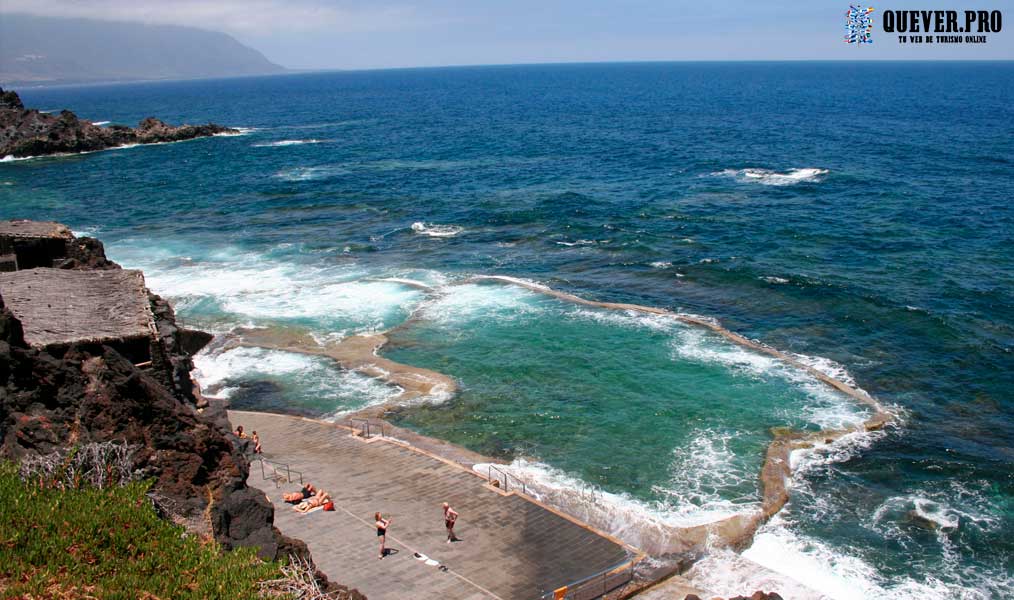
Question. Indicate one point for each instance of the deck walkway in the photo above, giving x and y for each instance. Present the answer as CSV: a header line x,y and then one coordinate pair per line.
x,y
512,548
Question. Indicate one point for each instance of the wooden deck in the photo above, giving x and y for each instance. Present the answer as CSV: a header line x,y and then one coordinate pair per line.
x,y
512,548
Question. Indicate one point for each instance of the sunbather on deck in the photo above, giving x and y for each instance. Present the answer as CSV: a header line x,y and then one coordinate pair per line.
x,y
319,499
307,491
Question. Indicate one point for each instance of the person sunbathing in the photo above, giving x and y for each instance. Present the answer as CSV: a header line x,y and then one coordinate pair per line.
x,y
296,497
319,499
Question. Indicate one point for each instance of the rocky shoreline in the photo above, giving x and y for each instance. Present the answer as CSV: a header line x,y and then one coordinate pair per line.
x,y
89,392
28,132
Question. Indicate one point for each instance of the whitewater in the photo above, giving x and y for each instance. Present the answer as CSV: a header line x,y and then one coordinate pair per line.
x,y
858,241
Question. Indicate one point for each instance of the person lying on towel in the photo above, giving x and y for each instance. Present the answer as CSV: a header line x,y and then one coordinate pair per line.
x,y
319,499
307,491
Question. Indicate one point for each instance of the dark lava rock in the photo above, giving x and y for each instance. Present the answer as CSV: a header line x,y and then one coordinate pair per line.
x,y
93,394
33,133
10,100
85,254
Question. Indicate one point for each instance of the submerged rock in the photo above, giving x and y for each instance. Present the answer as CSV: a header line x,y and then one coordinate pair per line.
x,y
28,132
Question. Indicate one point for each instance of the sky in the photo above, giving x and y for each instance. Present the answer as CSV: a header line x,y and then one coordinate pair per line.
x,y
362,34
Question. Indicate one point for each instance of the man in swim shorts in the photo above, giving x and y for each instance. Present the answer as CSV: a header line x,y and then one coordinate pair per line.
x,y
450,517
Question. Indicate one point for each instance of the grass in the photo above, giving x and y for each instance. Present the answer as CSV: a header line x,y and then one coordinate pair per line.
x,y
109,544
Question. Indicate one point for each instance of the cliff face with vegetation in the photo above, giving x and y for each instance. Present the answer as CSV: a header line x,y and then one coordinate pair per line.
x,y
29,132
91,393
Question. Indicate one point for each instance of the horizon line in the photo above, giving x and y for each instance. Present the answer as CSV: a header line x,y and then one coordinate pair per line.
x,y
291,71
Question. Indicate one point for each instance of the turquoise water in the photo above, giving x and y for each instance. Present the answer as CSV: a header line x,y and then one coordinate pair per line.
x,y
856,214
641,405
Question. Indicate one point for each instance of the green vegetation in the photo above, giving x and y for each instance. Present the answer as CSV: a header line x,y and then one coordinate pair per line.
x,y
110,544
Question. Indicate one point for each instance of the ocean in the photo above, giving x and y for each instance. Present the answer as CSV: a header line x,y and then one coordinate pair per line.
x,y
857,215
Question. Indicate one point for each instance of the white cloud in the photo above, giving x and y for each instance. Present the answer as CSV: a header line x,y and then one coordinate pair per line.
x,y
252,17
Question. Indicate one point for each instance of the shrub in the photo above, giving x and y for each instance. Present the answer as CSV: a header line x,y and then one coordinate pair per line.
x,y
86,542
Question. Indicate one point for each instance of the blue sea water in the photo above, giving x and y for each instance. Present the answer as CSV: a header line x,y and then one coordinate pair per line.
x,y
857,214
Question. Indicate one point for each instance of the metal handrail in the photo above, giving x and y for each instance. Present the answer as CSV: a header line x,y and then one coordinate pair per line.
x,y
366,430
274,467
506,478
588,587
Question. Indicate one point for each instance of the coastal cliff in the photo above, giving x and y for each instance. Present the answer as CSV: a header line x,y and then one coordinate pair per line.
x,y
29,132
88,392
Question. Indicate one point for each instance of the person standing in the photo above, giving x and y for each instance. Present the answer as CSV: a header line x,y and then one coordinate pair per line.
x,y
450,517
382,525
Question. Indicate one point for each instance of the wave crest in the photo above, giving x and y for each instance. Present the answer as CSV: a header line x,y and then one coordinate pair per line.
x,y
436,230
283,143
769,177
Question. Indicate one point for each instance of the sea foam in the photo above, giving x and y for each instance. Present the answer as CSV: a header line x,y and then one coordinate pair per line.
x,y
309,380
284,143
635,521
310,173
249,286
768,177
458,305
438,231
844,574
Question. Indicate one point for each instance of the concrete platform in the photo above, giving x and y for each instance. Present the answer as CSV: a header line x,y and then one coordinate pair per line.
x,y
511,548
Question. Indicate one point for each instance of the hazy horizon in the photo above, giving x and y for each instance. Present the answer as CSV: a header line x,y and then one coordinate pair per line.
x,y
352,35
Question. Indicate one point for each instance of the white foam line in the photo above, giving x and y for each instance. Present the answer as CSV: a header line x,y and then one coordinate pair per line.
x,y
439,231
409,282
12,158
769,177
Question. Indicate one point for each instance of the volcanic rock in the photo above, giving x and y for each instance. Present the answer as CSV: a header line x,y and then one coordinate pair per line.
x,y
28,132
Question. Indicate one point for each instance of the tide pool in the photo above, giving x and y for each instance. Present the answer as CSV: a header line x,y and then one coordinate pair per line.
x,y
857,215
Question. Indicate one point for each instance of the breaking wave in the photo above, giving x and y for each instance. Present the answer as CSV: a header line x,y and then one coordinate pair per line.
x,y
436,230
239,131
309,382
239,289
635,521
283,143
768,177
462,304
840,573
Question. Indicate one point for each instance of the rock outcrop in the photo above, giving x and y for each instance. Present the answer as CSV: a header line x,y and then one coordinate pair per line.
x,y
28,132
91,393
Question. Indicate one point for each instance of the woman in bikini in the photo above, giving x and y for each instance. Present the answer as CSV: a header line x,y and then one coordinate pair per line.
x,y
318,500
296,497
382,524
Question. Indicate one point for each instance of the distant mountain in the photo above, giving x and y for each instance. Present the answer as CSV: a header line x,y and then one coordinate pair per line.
x,y
56,50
